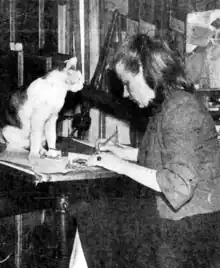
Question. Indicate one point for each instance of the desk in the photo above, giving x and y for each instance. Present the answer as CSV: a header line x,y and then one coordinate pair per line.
x,y
22,192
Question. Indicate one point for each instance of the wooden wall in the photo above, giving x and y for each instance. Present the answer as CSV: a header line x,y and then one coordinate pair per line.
x,y
4,24
36,24
140,17
57,28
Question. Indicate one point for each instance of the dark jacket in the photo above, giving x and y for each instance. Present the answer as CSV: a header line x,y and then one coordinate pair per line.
x,y
181,143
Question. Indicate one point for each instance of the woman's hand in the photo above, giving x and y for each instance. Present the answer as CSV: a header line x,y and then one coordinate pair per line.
x,y
109,161
101,145
120,150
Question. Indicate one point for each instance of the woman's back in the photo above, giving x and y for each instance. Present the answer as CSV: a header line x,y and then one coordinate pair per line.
x,y
181,141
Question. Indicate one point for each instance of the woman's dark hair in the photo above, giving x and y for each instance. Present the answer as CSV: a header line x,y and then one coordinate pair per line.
x,y
164,69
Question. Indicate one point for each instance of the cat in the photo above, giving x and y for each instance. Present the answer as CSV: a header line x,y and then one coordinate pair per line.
x,y
34,112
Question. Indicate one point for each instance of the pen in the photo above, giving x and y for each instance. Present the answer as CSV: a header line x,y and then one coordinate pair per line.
x,y
115,134
111,137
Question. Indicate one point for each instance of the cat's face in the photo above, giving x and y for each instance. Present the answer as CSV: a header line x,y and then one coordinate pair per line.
x,y
75,79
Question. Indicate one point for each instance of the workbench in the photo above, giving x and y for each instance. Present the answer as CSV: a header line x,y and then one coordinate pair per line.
x,y
23,191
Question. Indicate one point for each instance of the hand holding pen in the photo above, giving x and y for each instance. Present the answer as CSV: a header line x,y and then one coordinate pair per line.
x,y
104,155
110,154
106,144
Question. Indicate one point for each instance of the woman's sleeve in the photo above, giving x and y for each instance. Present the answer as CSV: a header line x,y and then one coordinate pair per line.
x,y
179,134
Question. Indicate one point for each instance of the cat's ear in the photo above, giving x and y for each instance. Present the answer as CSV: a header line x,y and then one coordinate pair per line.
x,y
71,63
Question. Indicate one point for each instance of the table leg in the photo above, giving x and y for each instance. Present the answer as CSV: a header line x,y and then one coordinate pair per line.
x,y
18,242
63,228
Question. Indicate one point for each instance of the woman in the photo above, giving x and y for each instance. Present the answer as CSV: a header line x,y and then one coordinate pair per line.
x,y
178,157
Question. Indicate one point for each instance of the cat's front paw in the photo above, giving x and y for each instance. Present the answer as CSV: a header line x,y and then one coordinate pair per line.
x,y
43,152
53,153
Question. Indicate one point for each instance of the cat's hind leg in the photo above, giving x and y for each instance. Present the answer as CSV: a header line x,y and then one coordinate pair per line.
x,y
43,151
37,136
51,136
15,138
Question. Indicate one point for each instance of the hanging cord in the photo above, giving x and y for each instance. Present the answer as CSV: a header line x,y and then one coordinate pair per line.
x,y
5,259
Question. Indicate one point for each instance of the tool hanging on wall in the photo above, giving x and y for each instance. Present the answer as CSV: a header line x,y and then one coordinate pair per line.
x,y
101,66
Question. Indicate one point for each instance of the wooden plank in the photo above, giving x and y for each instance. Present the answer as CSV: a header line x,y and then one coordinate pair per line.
x,y
102,116
62,28
93,35
94,28
82,34
5,25
161,17
18,47
51,26
86,41
147,10
20,68
68,24
12,19
27,30
76,33
102,21
19,241
71,31
134,9
41,29
177,24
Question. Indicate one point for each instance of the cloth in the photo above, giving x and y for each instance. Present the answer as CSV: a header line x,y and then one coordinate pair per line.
x,y
119,227
133,226
181,144
190,242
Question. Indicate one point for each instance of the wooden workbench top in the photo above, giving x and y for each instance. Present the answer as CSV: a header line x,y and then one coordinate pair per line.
x,y
54,170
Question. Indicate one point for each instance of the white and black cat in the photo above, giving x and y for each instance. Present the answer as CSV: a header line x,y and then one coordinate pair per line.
x,y
32,114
